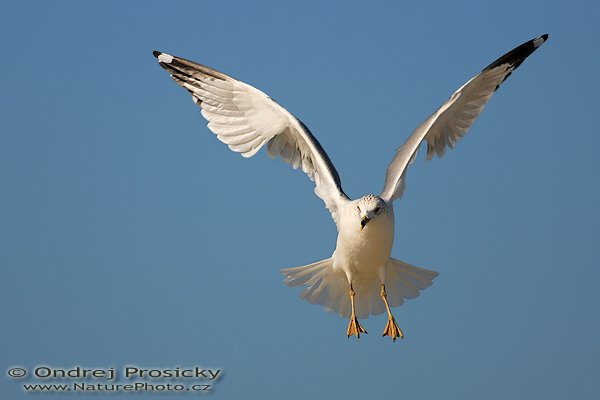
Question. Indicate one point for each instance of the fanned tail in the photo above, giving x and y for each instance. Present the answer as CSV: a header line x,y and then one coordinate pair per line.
x,y
330,288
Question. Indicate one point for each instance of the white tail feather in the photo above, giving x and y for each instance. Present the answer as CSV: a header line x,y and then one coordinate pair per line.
x,y
330,288
405,281
323,285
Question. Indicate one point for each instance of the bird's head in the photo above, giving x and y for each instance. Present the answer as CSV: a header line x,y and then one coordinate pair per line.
x,y
370,207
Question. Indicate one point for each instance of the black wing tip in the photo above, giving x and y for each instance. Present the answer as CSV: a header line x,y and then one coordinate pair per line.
x,y
540,40
517,55
163,58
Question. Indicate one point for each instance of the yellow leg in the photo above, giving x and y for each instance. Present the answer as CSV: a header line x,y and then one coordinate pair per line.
x,y
354,327
391,329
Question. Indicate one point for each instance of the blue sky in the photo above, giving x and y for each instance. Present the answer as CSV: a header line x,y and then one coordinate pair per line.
x,y
130,235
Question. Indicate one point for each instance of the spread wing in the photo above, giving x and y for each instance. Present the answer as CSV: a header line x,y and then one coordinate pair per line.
x,y
454,118
245,119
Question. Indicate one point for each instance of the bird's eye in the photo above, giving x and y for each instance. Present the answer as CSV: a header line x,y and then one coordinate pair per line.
x,y
358,208
377,210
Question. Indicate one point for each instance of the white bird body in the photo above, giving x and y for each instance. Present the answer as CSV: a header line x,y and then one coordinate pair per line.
x,y
363,252
246,119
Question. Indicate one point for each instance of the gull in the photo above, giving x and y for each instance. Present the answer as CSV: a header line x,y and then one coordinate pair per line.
x,y
360,278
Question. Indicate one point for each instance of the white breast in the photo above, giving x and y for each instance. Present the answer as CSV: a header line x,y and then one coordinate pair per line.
x,y
363,252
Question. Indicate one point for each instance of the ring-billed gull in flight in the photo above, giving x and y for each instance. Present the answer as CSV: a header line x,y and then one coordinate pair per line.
x,y
360,278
